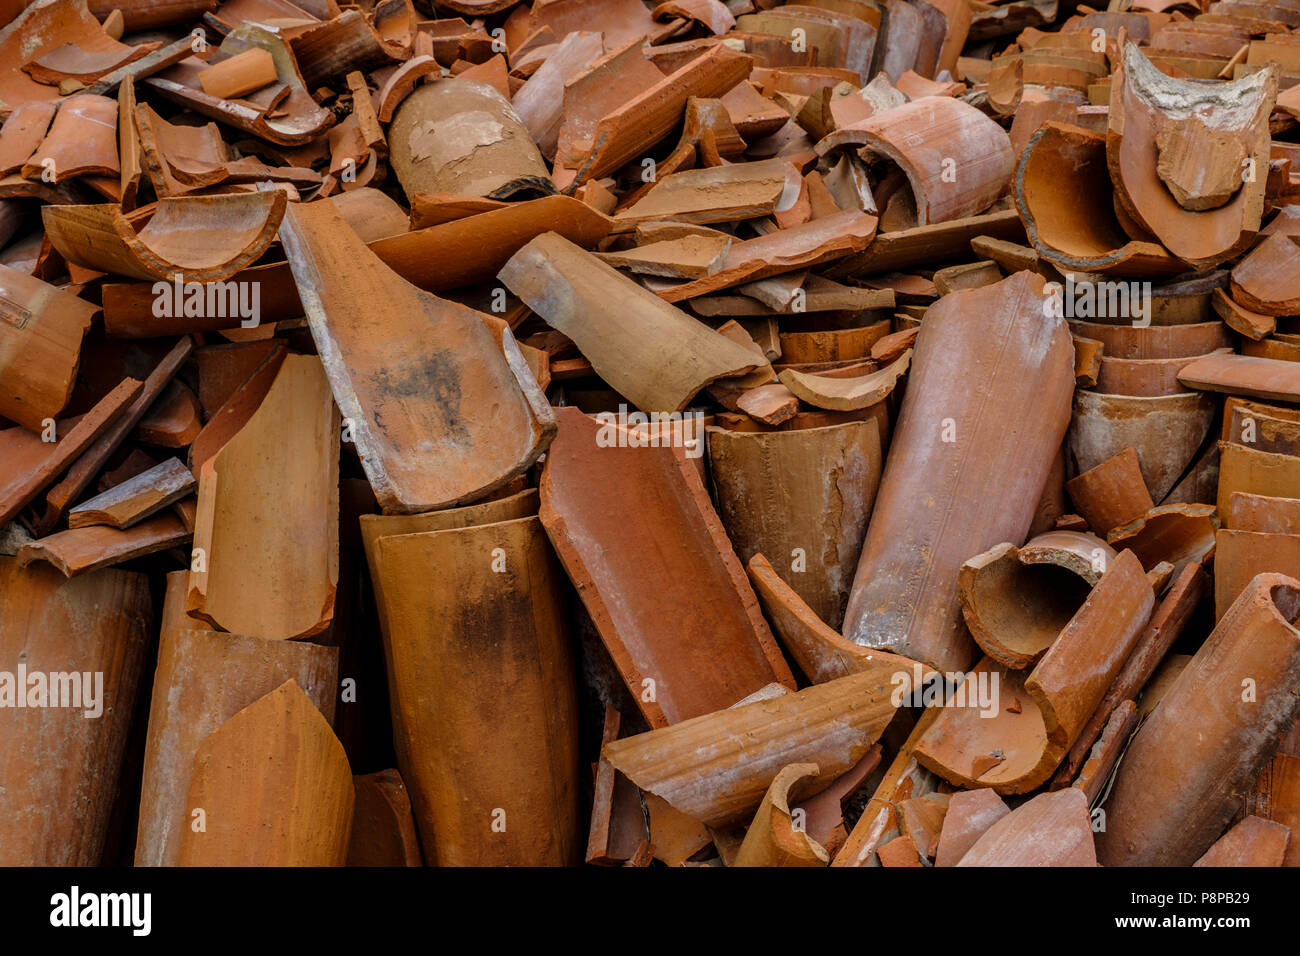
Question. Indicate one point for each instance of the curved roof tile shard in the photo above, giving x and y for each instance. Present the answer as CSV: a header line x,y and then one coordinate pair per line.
x,y
987,405
204,238
1187,771
722,651
275,786
647,350
41,28
1060,164
1225,124
60,768
82,141
436,426
716,767
1052,829
303,118
957,160
268,514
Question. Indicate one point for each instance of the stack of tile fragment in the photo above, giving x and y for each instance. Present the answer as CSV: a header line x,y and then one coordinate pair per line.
x,y
709,432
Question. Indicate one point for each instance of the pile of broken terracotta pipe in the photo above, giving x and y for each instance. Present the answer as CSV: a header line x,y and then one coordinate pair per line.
x,y
704,433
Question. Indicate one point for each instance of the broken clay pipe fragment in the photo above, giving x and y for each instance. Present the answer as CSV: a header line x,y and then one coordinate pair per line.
x,y
458,136
495,612
202,679
383,830
722,652
1005,406
1252,842
136,498
1253,325
773,838
1177,789
716,767
1177,533
1015,608
1015,742
473,249
804,496
1167,622
649,351
275,788
1052,829
417,418
846,394
1111,493
97,628
40,347
204,238
957,160
1060,163
266,533
819,650
1165,430
1230,122
713,195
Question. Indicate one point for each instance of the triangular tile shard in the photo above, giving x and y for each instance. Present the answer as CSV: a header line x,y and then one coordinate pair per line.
x,y
271,787
446,420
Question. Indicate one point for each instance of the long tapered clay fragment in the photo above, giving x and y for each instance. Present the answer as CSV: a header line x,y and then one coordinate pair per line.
x,y
1052,829
821,652
956,159
274,786
81,550
717,194
1167,622
773,839
40,347
204,678
447,422
716,768
1060,163
1229,122
1112,493
719,654
1015,609
1198,754
846,394
1252,842
61,764
1244,375
136,498
477,637
204,238
267,523
1165,430
803,496
647,350
31,464
998,374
